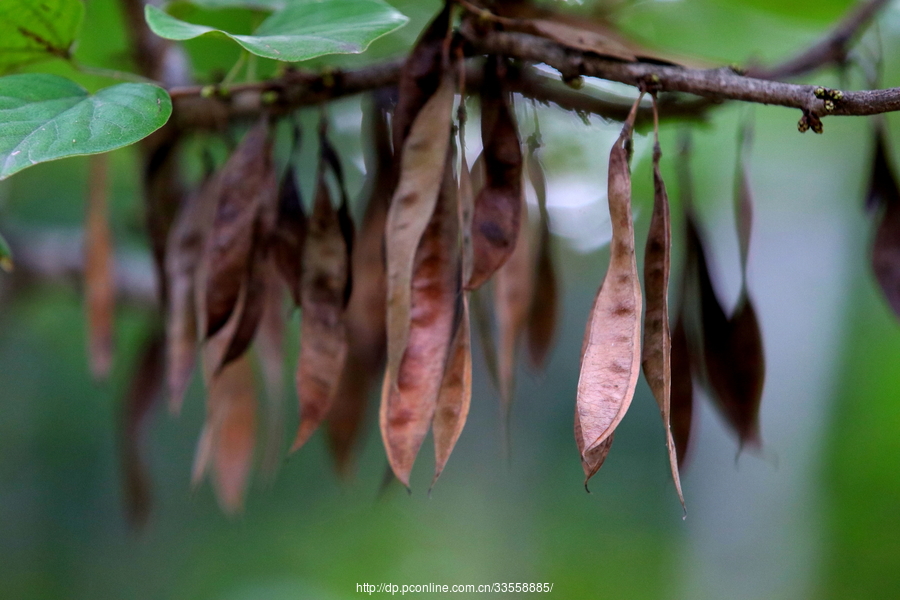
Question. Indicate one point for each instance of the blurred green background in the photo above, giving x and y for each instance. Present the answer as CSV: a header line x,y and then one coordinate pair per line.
x,y
814,515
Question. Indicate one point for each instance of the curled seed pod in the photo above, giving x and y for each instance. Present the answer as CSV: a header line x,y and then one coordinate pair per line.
x,y
656,360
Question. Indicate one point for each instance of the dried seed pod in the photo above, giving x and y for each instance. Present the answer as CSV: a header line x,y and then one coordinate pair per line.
x,y
513,296
681,403
498,205
229,434
323,342
542,317
593,459
365,314
884,194
289,234
611,359
99,284
656,360
422,170
455,395
409,400
247,184
421,76
269,346
732,350
184,249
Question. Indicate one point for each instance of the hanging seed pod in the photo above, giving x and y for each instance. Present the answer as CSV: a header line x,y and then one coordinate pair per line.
x,y
884,194
681,403
409,400
184,249
323,341
365,316
269,346
455,395
656,360
542,317
246,184
229,434
593,459
289,234
422,170
140,399
498,205
732,354
421,76
513,295
611,358
163,196
99,271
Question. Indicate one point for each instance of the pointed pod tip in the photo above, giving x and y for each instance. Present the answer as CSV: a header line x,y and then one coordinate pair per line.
x,y
299,441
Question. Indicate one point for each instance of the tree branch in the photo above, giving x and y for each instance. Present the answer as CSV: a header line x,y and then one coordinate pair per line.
x,y
714,84
211,107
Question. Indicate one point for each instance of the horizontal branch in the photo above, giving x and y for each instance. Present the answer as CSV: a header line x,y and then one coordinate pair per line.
x,y
714,84
213,107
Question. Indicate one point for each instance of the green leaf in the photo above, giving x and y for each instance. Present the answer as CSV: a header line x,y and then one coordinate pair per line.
x,y
6,262
35,30
300,31
44,117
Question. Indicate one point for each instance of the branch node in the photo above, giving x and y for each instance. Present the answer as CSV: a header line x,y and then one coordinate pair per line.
x,y
650,84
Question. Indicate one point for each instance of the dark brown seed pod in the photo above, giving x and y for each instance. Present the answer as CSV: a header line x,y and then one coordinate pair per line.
x,y
498,206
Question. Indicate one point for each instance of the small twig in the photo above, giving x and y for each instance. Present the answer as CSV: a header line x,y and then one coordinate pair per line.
x,y
832,49
715,84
